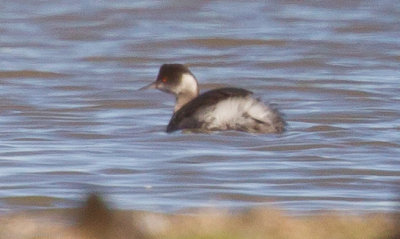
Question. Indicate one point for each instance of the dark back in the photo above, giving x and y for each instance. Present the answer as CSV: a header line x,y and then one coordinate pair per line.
x,y
183,117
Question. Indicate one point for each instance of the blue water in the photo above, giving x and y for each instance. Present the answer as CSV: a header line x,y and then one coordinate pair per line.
x,y
71,119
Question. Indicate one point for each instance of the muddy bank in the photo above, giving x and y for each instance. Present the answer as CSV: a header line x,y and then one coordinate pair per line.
x,y
96,220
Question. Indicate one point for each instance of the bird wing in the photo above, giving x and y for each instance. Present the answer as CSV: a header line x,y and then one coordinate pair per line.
x,y
183,117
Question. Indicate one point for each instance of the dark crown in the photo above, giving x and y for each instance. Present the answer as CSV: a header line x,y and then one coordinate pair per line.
x,y
172,71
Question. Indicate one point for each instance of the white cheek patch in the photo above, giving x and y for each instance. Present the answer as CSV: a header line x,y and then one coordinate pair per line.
x,y
188,84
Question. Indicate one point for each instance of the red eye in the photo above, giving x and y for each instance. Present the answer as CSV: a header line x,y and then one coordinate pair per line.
x,y
164,79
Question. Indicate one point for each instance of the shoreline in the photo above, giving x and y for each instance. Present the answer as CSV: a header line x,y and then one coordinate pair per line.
x,y
96,220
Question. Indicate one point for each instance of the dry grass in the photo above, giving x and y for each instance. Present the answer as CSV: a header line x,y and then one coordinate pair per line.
x,y
95,220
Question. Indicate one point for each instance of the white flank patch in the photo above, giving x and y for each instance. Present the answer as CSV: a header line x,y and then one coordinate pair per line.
x,y
230,112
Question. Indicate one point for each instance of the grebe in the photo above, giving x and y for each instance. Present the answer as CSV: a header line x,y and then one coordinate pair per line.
x,y
219,109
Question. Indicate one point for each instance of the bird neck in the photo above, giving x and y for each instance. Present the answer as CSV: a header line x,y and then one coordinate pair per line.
x,y
182,100
187,91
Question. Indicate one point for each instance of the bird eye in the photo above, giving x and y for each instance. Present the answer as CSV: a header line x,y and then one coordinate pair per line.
x,y
164,79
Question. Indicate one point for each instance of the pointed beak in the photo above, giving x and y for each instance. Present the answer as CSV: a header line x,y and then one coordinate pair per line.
x,y
150,86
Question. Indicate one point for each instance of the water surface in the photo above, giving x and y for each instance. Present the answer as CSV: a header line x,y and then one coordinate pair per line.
x,y
72,120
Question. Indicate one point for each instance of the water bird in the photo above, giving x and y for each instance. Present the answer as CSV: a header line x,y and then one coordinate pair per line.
x,y
215,110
